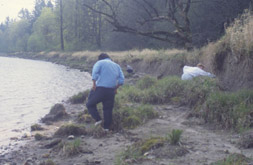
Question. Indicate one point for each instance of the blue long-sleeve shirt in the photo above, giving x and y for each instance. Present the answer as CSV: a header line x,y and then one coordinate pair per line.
x,y
107,74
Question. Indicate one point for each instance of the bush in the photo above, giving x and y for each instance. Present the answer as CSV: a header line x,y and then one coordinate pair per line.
x,y
239,35
48,162
36,127
71,129
232,110
80,97
137,150
132,116
72,148
233,159
170,89
146,82
175,136
38,136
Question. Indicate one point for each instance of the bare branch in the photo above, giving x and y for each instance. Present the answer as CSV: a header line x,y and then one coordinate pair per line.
x,y
173,8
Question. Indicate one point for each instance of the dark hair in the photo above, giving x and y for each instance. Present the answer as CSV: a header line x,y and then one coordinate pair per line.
x,y
103,56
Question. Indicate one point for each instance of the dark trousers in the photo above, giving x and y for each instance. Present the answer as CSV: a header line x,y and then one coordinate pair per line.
x,y
106,96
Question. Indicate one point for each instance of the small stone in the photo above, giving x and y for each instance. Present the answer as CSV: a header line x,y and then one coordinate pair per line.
x,y
71,137
146,154
97,161
14,138
25,135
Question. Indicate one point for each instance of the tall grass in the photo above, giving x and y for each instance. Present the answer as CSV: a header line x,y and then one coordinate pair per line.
x,y
232,110
240,35
175,136
233,159
132,116
169,90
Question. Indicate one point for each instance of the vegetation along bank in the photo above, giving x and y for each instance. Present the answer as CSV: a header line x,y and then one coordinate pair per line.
x,y
158,118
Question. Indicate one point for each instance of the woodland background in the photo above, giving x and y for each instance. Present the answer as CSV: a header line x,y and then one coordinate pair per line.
x,y
118,25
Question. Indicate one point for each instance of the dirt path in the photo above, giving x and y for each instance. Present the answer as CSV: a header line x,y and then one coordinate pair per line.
x,y
204,145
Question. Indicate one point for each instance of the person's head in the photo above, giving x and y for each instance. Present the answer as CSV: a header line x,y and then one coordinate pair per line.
x,y
103,56
201,66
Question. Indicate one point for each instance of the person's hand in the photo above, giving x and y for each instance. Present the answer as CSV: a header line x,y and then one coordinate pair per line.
x,y
115,91
94,87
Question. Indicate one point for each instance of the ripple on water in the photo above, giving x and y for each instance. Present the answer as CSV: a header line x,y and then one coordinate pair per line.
x,y
29,88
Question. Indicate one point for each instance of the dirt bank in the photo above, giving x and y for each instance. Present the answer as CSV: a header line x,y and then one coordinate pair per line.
x,y
233,71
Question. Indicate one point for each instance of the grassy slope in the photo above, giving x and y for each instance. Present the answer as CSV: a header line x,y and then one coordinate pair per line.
x,y
228,109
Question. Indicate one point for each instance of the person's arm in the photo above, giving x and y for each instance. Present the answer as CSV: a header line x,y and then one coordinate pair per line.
x,y
95,75
94,85
204,73
121,79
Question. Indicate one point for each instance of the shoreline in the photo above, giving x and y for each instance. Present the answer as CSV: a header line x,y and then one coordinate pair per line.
x,y
25,134
200,141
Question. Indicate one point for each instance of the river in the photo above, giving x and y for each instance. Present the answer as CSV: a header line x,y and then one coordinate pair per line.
x,y
29,88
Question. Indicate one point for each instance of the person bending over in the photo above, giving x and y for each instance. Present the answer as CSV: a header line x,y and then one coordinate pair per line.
x,y
189,72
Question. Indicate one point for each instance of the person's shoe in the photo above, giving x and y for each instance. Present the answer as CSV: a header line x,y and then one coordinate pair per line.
x,y
98,122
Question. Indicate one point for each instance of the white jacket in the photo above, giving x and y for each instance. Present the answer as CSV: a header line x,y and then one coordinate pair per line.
x,y
189,72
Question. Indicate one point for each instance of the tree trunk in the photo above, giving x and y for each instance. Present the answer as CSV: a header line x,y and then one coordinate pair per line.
x,y
61,26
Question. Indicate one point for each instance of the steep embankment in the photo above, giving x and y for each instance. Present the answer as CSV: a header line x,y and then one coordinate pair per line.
x,y
234,71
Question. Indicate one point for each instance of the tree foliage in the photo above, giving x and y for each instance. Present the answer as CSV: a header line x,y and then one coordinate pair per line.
x,y
118,24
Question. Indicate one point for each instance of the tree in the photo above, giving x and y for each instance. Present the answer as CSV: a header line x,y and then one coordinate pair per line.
x,y
18,34
24,14
209,17
61,26
45,30
172,14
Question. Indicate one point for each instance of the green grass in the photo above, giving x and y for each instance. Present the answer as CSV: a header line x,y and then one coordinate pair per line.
x,y
48,162
71,148
132,116
232,110
79,98
168,90
175,136
71,129
233,159
136,152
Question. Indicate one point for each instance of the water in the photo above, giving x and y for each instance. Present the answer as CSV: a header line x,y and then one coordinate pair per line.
x,y
28,89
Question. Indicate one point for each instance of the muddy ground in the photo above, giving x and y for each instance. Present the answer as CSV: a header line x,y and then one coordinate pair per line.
x,y
203,145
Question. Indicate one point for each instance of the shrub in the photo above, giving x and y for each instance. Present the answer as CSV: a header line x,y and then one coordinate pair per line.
x,y
151,143
146,82
131,121
239,35
130,93
232,110
132,116
48,162
36,127
84,118
137,150
71,129
131,153
79,98
233,159
72,148
38,136
171,89
175,136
